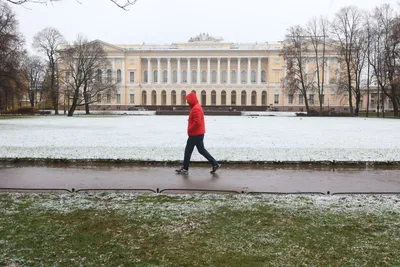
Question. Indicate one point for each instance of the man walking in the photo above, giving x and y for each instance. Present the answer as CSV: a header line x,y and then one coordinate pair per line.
x,y
196,130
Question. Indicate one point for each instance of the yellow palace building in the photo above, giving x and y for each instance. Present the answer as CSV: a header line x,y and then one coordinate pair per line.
x,y
242,76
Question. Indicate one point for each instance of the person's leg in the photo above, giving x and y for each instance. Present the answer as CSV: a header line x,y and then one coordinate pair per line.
x,y
190,144
203,151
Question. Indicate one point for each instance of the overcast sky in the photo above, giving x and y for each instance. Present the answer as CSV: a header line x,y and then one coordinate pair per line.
x,y
166,21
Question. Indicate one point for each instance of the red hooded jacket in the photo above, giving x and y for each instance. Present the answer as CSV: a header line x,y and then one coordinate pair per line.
x,y
196,124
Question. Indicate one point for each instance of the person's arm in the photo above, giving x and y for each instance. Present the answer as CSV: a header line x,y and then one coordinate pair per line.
x,y
196,120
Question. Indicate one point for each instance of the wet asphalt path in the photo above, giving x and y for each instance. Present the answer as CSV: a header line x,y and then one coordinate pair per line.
x,y
290,179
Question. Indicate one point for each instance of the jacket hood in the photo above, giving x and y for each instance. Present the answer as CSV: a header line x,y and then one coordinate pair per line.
x,y
192,99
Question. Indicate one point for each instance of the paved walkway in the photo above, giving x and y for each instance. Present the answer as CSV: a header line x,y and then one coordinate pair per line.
x,y
238,179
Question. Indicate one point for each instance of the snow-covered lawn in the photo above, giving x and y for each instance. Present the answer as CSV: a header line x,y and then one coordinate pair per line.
x,y
162,138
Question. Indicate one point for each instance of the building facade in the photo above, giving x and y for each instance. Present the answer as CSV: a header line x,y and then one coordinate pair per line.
x,y
223,75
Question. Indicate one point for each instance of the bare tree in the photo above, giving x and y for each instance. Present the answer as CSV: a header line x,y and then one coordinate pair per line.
x,y
48,41
346,28
86,73
298,78
11,52
317,31
385,58
33,69
124,4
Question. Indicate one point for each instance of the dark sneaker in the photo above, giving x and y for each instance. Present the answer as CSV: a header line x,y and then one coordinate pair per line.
x,y
215,168
182,171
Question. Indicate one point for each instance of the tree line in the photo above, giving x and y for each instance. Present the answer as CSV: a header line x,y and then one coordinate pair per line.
x,y
368,45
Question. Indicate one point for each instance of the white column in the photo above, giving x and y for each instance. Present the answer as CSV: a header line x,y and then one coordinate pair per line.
x,y
259,71
249,71
219,71
229,71
149,72
238,72
208,70
169,71
198,71
189,72
179,71
159,70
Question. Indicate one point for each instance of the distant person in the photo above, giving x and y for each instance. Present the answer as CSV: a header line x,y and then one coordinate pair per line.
x,y
196,130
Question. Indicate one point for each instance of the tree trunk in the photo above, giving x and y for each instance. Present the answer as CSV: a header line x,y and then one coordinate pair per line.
x,y
74,104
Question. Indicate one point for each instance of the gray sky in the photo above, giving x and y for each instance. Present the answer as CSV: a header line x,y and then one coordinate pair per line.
x,y
166,21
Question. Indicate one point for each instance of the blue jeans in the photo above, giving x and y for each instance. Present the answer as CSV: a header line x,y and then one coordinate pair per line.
x,y
196,141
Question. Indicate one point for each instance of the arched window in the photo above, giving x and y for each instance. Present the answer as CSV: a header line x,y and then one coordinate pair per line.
x,y
264,98
194,76
144,98
253,98
183,98
233,98
243,98
155,76
203,98
163,97
263,76
223,76
214,76
223,98
165,76
109,75
174,76
154,98
99,74
119,76
173,97
145,77
243,77
204,76
233,76
184,76
253,76
213,97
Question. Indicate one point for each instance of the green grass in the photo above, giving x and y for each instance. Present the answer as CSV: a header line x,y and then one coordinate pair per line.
x,y
198,230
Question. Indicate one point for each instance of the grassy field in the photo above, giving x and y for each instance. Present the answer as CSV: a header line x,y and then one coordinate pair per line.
x,y
198,230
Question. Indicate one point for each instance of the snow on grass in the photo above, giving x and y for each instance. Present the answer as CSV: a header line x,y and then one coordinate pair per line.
x,y
162,138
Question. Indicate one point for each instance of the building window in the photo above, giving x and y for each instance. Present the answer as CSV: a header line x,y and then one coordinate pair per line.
x,y
203,97
311,99
253,98
223,76
165,76
323,100
233,98
194,76
155,76
183,98
118,99
67,75
204,76
264,98
214,76
173,97
174,76
184,76
276,100
145,76
213,98
163,98
243,77
99,74
131,77
131,98
253,76
154,98
290,99
244,98
233,76
99,98
144,98
301,99
223,98
108,99
263,76
119,76
109,75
